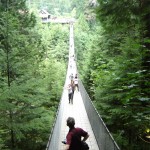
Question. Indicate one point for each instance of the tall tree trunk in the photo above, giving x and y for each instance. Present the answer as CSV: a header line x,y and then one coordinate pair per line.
x,y
8,73
145,21
12,133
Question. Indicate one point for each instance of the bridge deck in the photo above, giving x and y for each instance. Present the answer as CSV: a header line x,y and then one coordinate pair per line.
x,y
76,110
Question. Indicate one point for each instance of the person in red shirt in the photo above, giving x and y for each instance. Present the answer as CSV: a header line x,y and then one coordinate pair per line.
x,y
74,136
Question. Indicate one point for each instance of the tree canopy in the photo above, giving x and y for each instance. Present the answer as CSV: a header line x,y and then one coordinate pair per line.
x,y
116,74
29,73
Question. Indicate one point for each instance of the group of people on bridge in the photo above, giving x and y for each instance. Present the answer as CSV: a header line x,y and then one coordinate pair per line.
x,y
76,135
72,86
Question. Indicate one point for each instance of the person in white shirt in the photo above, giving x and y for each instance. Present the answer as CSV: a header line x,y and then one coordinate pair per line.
x,y
70,92
76,82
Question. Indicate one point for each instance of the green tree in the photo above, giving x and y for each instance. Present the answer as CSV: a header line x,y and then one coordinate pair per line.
x,y
116,73
28,101
119,69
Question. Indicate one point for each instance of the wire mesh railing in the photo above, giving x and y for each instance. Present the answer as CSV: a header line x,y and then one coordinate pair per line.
x,y
56,129
104,139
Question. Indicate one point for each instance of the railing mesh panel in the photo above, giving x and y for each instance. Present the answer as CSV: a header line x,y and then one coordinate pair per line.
x,y
56,130
104,139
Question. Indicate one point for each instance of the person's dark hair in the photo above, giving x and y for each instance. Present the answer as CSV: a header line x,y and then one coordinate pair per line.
x,y
70,122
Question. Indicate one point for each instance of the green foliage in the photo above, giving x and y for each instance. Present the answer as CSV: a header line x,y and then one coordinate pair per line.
x,y
29,73
113,60
58,7
117,74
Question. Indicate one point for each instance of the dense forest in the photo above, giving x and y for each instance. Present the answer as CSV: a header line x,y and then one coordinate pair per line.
x,y
31,62
112,44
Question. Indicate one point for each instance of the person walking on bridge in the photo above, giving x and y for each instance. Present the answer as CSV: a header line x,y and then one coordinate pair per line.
x,y
73,88
70,93
76,82
73,138
71,77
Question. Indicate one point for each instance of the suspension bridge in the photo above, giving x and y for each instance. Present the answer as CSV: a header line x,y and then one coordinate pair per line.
x,y
82,109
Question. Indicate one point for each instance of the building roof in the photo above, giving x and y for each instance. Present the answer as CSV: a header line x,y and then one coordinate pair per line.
x,y
44,14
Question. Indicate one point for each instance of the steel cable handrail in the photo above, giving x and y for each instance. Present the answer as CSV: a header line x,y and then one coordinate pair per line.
x,y
104,138
56,130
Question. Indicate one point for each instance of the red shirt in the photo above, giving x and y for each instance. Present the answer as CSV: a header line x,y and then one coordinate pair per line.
x,y
74,137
